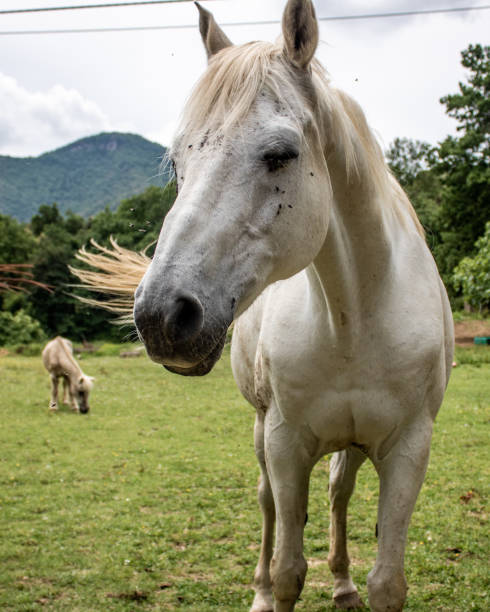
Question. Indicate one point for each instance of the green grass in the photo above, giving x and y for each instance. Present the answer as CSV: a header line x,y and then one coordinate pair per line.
x,y
149,503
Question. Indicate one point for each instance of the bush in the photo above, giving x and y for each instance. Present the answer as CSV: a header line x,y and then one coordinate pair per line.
x,y
19,328
472,275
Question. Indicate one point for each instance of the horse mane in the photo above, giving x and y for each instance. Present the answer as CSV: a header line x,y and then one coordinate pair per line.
x,y
116,272
225,94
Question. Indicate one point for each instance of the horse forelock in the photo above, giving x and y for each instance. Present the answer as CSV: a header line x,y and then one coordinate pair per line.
x,y
226,93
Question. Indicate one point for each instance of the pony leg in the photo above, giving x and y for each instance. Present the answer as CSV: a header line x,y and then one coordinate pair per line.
x,y
53,404
343,470
262,580
289,466
66,400
401,474
73,401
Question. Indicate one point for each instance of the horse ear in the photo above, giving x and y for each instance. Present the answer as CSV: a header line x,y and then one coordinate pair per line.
x,y
212,35
300,31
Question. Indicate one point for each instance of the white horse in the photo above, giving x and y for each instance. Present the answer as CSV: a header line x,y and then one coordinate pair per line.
x,y
288,221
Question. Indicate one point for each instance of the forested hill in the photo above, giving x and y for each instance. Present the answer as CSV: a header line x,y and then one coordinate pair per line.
x,y
84,177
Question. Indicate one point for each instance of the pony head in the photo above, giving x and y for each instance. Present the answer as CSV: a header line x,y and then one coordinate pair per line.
x,y
83,387
253,192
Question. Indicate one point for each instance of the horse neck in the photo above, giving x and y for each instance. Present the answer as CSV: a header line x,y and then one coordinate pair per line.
x,y
354,263
75,371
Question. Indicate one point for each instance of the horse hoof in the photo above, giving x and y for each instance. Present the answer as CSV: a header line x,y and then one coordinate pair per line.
x,y
348,601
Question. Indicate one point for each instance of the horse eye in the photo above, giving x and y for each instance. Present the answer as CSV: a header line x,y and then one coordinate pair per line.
x,y
276,160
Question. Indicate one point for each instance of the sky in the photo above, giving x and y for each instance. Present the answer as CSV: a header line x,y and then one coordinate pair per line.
x,y
57,88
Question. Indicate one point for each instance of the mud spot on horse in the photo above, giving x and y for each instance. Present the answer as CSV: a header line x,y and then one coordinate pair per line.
x,y
204,141
279,208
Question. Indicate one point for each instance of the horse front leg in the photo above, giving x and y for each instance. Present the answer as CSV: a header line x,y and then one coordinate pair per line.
x,y
343,470
401,474
72,397
263,601
66,390
289,467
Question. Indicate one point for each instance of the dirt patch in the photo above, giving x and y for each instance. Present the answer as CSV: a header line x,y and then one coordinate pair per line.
x,y
466,331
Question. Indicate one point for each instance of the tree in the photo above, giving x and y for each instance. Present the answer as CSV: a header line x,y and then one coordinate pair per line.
x,y
43,250
464,164
17,244
137,221
472,275
411,161
408,158
46,215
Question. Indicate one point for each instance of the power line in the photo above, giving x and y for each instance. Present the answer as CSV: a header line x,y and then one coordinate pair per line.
x,y
45,9
242,23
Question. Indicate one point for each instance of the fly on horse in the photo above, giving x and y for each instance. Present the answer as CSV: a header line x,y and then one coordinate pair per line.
x,y
289,223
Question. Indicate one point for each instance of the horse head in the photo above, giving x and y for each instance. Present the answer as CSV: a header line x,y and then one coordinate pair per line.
x,y
83,388
252,192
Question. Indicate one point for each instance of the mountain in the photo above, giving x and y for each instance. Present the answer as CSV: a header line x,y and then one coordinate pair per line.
x,y
84,177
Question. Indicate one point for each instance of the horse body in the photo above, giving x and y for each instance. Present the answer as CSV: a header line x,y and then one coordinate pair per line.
x,y
288,221
354,353
58,360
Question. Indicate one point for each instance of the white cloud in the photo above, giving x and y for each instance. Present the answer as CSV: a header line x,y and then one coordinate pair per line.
x,y
32,122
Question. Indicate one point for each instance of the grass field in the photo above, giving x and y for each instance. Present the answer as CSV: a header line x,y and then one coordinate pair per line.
x,y
149,502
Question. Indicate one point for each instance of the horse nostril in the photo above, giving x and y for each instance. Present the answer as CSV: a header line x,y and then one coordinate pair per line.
x,y
184,318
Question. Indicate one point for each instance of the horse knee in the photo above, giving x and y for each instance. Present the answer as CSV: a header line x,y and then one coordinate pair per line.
x,y
387,589
265,497
288,580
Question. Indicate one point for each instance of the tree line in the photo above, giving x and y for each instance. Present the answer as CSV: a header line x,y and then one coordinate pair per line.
x,y
448,184
49,242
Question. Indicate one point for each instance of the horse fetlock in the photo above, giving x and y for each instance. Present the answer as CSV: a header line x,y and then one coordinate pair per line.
x,y
387,589
287,581
262,602
339,565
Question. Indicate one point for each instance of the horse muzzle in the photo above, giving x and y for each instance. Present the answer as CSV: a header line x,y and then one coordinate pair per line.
x,y
177,333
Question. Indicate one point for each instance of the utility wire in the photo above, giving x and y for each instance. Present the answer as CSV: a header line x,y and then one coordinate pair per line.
x,y
243,23
87,6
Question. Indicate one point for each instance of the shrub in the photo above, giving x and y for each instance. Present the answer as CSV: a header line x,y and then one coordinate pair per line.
x,y
19,328
472,275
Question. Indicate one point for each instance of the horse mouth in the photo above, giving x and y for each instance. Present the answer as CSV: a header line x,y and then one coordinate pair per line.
x,y
204,366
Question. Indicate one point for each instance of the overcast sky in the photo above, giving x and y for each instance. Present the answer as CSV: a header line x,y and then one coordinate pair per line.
x,y
57,88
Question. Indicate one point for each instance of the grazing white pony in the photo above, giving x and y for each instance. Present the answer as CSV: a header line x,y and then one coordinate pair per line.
x,y
289,222
59,362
